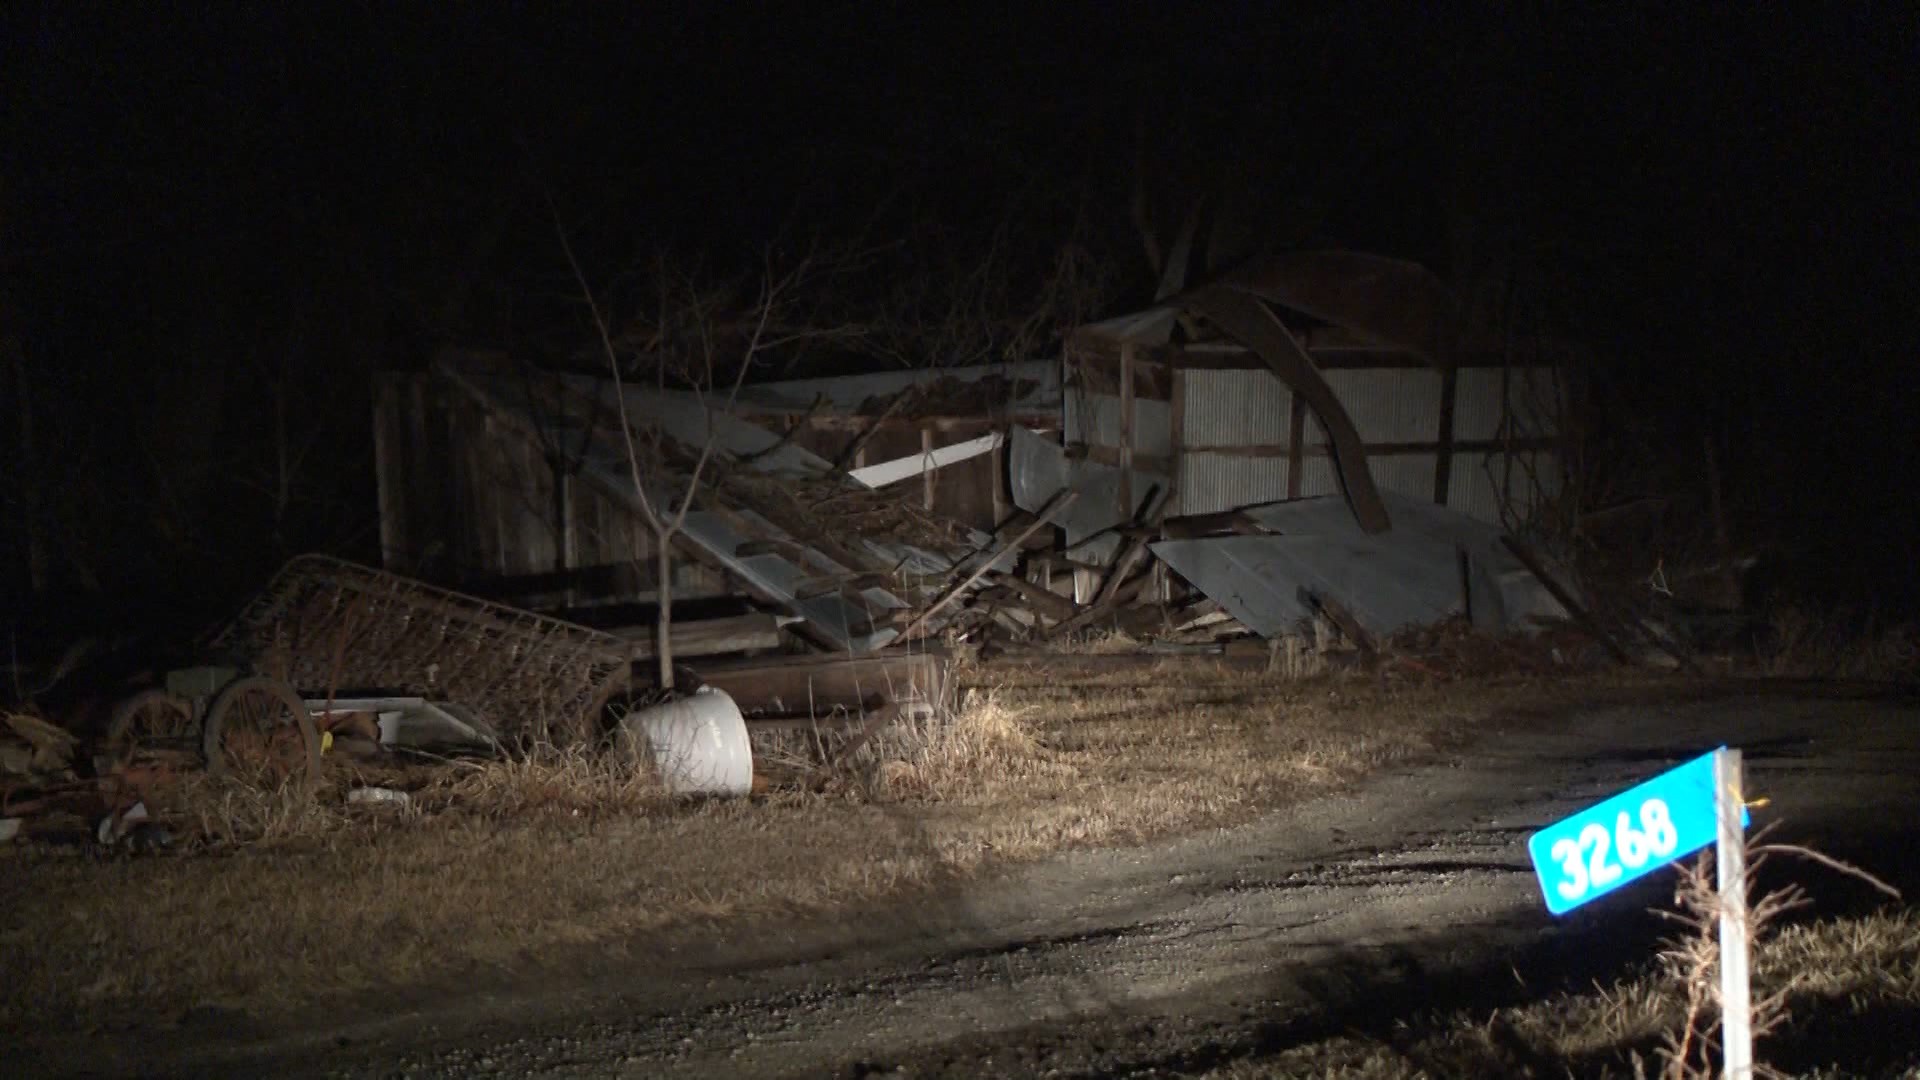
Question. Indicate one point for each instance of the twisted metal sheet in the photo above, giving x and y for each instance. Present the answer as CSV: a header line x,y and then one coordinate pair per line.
x,y
327,625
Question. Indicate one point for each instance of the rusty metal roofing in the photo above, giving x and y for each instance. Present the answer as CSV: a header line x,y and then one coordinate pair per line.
x,y
1409,576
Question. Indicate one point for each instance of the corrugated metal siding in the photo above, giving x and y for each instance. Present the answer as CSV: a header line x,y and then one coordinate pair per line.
x,y
1474,487
1406,474
1234,408
1477,402
1391,405
1152,428
1212,482
1094,419
1317,477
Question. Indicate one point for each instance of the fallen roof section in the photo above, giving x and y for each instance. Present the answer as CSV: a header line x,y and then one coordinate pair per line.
x,y
1436,564
770,513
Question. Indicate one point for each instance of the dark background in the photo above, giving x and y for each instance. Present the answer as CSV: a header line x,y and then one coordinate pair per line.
x,y
215,223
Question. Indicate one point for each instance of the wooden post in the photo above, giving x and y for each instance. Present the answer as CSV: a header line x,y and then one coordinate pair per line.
x,y
926,463
1559,592
1000,481
1736,1003
568,555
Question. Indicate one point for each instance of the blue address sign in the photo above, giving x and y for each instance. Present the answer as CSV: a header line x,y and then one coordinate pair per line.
x,y
1627,837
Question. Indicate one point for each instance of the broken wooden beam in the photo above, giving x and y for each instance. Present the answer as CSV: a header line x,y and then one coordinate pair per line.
x,y
1350,627
707,637
1538,568
1054,505
823,685
1094,612
1044,601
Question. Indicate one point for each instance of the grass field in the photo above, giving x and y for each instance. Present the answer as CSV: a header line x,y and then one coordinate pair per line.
x,y
494,866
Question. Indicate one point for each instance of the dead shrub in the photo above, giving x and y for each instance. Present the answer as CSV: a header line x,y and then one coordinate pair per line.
x,y
1802,643
576,781
220,811
1108,642
987,740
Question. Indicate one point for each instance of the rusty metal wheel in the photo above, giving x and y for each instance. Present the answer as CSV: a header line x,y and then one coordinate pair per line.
x,y
259,731
153,723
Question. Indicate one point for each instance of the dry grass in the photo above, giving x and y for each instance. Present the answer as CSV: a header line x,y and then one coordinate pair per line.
x,y
1837,979
1834,646
494,866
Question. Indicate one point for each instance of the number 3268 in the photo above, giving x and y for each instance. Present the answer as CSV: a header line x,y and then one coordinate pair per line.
x,y
1588,862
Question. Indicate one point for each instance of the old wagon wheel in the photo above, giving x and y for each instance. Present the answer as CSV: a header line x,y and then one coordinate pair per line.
x,y
152,720
259,731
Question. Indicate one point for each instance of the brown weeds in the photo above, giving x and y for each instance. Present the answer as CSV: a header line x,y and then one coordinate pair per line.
x,y
493,863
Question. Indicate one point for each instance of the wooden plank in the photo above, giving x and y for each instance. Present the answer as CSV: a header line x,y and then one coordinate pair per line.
x,y
568,555
821,684
1059,502
926,477
1042,600
999,488
1559,592
838,722
707,637
1096,611
808,588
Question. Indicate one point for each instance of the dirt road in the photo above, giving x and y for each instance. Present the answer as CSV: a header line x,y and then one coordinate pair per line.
x,y
1410,893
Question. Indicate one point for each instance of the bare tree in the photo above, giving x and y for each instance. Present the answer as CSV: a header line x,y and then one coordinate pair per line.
x,y
704,338
943,298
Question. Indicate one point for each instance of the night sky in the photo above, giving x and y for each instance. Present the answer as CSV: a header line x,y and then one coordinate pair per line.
x,y
215,222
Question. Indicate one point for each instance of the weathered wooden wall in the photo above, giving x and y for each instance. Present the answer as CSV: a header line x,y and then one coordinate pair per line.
x,y
467,499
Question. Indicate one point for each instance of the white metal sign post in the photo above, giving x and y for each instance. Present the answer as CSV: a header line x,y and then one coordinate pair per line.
x,y
1736,991
1638,831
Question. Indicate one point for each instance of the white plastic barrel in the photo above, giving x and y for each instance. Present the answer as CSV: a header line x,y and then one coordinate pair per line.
x,y
698,744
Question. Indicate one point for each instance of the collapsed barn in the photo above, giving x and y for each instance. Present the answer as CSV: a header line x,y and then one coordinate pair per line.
x,y
1317,437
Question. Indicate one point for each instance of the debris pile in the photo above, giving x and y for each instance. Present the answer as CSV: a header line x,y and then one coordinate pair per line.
x,y
331,628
